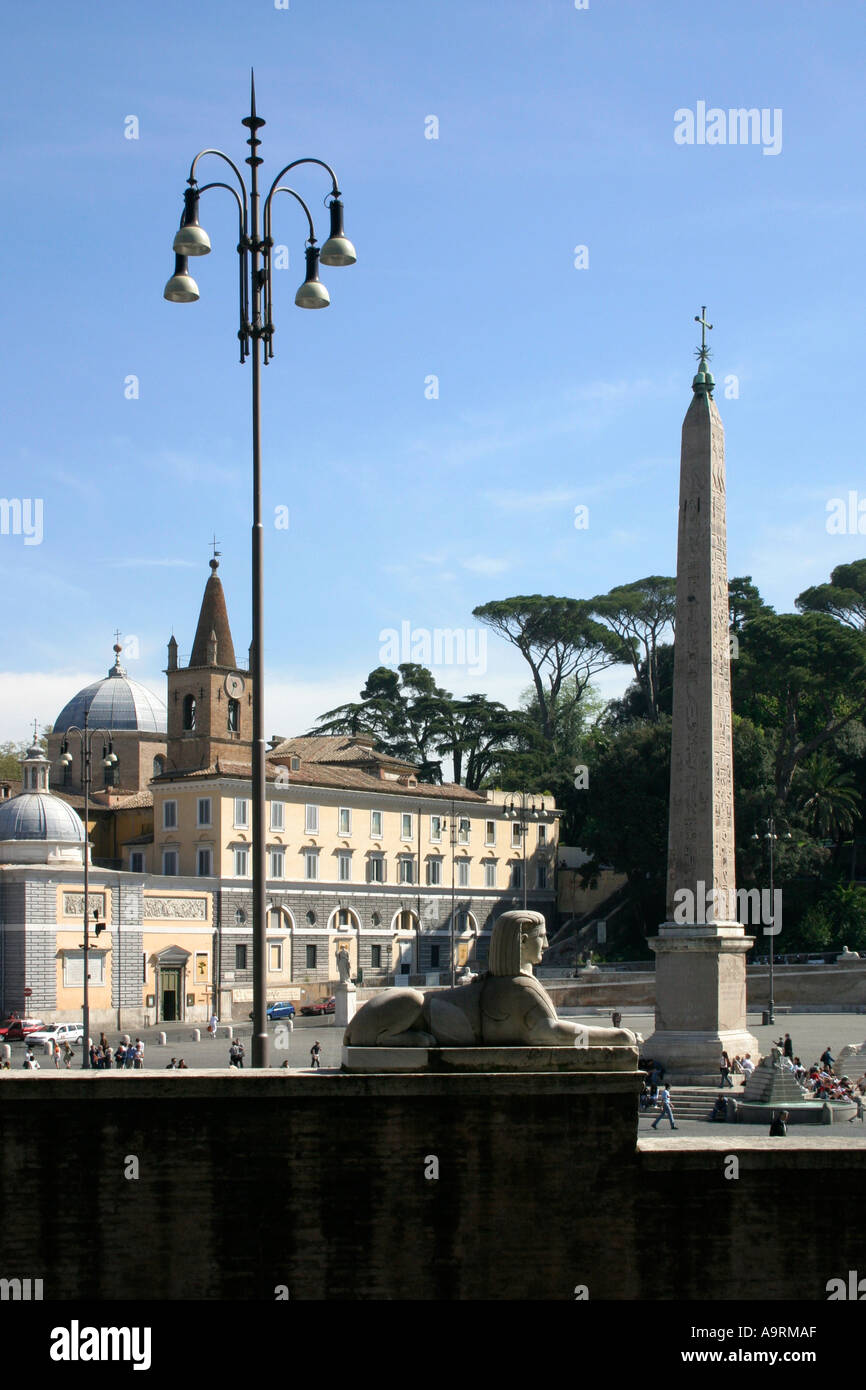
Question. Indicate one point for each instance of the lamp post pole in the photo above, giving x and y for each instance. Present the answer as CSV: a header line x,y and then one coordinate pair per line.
x,y
109,759
520,816
255,334
771,837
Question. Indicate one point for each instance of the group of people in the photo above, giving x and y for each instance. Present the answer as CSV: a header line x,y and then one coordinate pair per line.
x,y
126,1056
176,1065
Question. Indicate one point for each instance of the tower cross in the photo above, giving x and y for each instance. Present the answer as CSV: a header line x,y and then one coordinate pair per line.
x,y
35,730
702,320
215,543
117,635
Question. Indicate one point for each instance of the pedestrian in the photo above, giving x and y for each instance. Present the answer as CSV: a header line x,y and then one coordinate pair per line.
x,y
109,1056
788,1047
94,1057
172,1065
239,1053
67,1055
30,1062
182,1066
103,1041
779,1125
56,1052
314,1055
212,1026
725,1069
665,1107
129,1057
120,1054
858,1101
139,1055
827,1058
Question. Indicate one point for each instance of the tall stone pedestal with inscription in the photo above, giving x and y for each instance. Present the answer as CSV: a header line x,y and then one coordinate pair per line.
x,y
701,948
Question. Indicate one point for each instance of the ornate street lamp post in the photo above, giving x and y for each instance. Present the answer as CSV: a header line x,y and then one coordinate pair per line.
x,y
771,837
255,334
521,815
109,760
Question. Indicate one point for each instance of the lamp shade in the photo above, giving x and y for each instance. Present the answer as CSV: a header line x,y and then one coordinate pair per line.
x,y
338,249
312,293
181,288
191,239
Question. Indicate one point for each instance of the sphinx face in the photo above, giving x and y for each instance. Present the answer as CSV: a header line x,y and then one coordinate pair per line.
x,y
533,945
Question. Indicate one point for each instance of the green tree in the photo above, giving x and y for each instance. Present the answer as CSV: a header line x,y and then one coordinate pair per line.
x,y
638,615
561,642
844,598
827,797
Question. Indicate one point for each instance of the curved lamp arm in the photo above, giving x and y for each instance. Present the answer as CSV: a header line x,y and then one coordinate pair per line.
x,y
238,175
294,165
243,246
276,187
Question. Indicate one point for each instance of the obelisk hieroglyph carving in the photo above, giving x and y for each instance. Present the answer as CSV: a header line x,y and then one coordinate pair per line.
x,y
700,949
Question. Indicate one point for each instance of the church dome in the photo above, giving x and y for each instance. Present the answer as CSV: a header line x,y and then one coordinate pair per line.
x,y
40,816
115,703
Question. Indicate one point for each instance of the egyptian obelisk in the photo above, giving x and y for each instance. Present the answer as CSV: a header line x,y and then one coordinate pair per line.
x,y
701,948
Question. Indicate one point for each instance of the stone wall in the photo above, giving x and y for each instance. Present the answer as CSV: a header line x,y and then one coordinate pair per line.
x,y
252,1181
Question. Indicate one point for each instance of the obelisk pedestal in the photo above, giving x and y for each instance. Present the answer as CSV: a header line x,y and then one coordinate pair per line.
x,y
701,948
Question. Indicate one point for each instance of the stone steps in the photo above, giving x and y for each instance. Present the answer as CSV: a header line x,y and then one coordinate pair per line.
x,y
695,1102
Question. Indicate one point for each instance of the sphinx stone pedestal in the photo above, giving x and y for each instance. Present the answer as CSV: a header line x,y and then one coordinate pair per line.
x,y
345,1003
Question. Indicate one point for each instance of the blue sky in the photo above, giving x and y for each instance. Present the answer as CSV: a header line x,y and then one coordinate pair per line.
x,y
558,385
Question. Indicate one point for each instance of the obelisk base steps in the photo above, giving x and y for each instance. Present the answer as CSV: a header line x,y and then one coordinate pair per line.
x,y
700,1001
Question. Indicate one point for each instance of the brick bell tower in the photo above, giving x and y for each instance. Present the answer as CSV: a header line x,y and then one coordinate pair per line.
x,y
210,709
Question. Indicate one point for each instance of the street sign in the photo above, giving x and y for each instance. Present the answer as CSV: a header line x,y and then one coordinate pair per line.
x,y
27,993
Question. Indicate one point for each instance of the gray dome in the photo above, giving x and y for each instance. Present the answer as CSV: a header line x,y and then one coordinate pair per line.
x,y
39,816
116,702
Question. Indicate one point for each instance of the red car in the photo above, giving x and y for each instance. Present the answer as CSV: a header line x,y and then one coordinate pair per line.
x,y
321,1006
15,1029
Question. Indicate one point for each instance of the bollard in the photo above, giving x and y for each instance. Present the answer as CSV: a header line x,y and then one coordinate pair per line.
x,y
6,1052
161,1040
47,1049
196,1035
229,1032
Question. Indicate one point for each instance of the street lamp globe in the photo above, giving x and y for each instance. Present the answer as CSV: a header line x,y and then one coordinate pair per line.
x,y
181,288
312,293
338,249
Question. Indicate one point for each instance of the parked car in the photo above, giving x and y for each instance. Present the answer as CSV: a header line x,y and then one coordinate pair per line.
x,y
321,1006
58,1032
279,1011
14,1029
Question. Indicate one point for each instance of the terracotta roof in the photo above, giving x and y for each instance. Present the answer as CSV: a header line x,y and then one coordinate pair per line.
x,y
139,840
334,748
101,801
322,775
213,618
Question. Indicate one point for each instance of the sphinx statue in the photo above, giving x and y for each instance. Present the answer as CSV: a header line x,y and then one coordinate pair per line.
x,y
505,1007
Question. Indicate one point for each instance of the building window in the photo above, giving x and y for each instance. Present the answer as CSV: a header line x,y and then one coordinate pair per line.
x,y
242,857
406,825
275,957
376,957
295,764
204,867
311,957
345,818
490,875
517,875
311,820
463,873
516,834
490,832
376,869
203,811
344,862
242,812
435,829
278,815
169,862
169,815
434,872
233,720
158,765
407,870
541,876
375,825
434,957
463,826
311,865
240,958
189,711
542,834
136,862
278,863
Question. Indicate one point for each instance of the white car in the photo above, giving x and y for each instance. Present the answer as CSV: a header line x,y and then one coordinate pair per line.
x,y
59,1032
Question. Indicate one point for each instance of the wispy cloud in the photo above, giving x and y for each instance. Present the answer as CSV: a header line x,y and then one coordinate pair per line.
x,y
485,564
